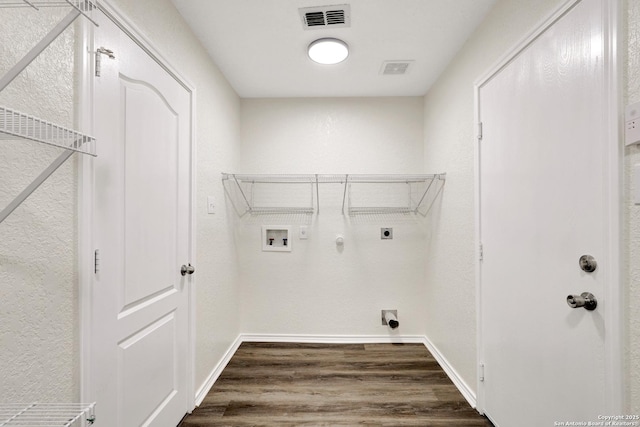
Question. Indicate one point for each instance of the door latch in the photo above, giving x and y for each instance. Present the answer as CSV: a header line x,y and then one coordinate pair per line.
x,y
585,299
184,270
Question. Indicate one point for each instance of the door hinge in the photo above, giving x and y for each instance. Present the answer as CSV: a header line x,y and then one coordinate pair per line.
x,y
99,52
481,252
481,371
480,131
96,261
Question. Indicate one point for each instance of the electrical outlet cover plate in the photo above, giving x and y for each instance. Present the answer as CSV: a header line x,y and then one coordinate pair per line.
x,y
386,233
632,124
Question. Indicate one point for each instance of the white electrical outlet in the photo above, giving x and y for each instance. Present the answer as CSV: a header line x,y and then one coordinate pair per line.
x,y
632,124
303,232
211,205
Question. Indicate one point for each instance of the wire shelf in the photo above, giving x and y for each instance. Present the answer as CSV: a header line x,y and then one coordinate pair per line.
x,y
82,6
14,124
363,193
47,414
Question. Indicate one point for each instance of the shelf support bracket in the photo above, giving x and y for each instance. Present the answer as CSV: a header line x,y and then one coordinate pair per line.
x,y
38,48
35,184
242,192
424,195
344,195
317,194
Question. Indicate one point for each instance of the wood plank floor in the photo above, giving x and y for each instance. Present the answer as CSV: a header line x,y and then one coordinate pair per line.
x,y
281,384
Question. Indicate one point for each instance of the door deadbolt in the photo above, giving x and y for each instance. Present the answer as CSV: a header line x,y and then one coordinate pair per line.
x,y
588,263
184,270
585,299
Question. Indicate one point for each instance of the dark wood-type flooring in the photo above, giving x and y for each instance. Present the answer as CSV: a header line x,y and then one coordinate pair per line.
x,y
280,384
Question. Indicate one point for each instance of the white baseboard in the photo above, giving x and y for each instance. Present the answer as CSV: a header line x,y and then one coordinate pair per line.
x,y
333,339
451,373
217,371
337,339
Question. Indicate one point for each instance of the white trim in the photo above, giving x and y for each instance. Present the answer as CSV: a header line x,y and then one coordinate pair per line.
x,y
614,341
334,339
85,200
84,119
614,316
204,389
512,53
478,241
453,375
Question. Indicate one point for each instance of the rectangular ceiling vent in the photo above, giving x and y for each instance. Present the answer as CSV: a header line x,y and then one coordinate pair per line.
x,y
394,68
336,16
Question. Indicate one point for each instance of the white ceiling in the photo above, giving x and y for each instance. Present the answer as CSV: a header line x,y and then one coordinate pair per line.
x,y
261,45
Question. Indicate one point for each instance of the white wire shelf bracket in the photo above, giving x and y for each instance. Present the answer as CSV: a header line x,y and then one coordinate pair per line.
x,y
47,414
78,7
391,194
17,125
362,194
273,194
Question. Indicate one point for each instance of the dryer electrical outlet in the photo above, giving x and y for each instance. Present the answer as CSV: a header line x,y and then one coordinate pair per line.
x,y
386,233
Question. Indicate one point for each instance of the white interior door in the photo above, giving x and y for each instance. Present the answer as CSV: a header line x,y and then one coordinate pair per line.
x,y
142,205
543,204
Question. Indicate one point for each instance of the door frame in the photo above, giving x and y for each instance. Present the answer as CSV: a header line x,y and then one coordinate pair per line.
x,y
613,294
86,189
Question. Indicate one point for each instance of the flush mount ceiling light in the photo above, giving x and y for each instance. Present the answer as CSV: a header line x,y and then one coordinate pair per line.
x,y
328,51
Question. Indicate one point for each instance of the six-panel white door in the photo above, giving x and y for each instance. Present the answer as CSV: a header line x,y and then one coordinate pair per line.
x,y
140,307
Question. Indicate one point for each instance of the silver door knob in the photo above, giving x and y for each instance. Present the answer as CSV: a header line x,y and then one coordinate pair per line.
x,y
187,269
588,263
585,299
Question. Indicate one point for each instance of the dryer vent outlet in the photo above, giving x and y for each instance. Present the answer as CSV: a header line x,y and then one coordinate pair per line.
x,y
390,318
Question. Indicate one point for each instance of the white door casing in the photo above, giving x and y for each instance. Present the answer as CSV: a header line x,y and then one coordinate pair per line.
x,y
547,194
140,361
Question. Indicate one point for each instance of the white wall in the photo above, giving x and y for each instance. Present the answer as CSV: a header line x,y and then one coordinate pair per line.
x,y
217,135
318,288
450,303
38,297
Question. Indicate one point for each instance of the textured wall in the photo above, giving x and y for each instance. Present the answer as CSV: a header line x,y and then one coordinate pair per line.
x,y
38,328
632,211
319,288
217,135
450,302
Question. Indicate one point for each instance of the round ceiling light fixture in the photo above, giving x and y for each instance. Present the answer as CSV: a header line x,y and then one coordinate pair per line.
x,y
328,51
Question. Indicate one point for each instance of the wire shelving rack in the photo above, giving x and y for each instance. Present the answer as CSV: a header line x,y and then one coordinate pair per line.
x,y
47,414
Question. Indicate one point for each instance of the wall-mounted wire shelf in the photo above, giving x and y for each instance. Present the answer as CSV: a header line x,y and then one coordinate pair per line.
x,y
362,194
82,6
47,414
272,194
17,125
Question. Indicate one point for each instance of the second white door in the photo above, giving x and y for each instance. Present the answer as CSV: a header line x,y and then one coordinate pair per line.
x,y
142,206
544,202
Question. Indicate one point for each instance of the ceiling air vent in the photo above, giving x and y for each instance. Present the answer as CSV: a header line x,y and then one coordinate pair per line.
x,y
335,16
395,67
